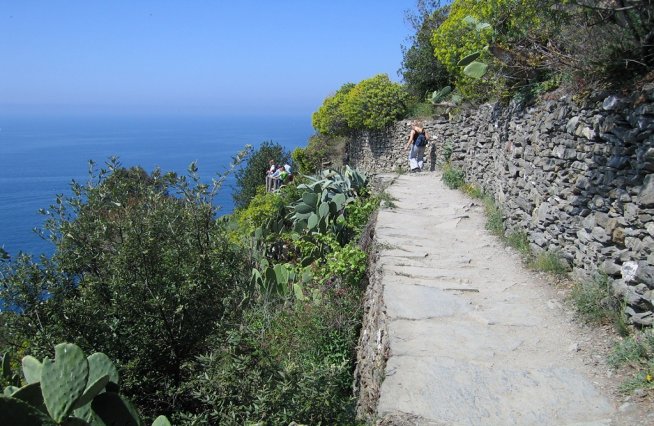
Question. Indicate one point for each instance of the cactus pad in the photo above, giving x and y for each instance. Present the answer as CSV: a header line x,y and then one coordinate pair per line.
x,y
16,412
99,365
115,409
91,391
63,380
9,390
161,421
32,369
30,394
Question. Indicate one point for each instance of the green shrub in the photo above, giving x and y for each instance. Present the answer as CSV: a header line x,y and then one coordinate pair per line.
x,y
262,207
448,149
349,263
359,212
422,109
636,348
284,364
453,177
609,44
374,104
330,118
473,191
637,351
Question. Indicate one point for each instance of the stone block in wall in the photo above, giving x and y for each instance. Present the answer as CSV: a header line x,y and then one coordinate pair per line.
x,y
634,244
618,162
571,125
640,318
610,267
645,159
648,243
645,109
613,103
564,153
646,193
600,234
587,132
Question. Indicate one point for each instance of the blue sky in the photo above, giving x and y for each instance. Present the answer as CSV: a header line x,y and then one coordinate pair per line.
x,y
209,57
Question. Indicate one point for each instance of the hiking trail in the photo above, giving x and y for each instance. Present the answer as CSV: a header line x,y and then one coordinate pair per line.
x,y
475,338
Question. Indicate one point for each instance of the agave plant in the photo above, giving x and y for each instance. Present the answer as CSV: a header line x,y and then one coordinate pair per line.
x,y
323,201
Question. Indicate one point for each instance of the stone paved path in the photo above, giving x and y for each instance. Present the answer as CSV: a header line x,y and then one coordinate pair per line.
x,y
474,338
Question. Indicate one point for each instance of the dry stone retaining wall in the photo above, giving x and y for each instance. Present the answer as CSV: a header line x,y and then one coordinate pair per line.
x,y
578,179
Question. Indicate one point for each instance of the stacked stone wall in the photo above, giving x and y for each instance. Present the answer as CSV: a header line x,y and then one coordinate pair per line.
x,y
578,179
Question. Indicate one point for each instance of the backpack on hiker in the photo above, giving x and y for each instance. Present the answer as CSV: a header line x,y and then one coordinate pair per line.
x,y
421,140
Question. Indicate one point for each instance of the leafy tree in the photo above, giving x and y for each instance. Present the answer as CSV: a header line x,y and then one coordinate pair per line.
x,y
421,70
253,175
142,271
490,28
329,119
374,104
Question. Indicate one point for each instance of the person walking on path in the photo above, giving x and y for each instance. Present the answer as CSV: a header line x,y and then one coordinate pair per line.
x,y
417,143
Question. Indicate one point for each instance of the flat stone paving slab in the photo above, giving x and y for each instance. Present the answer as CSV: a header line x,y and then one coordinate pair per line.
x,y
474,339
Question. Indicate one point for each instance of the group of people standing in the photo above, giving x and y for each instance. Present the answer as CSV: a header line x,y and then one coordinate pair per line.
x,y
277,175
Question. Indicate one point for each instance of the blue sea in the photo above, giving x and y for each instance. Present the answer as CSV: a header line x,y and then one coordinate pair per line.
x,y
39,156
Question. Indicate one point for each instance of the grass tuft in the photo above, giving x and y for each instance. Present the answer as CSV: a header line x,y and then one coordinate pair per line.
x,y
550,262
453,176
636,351
387,200
473,191
593,298
494,218
519,241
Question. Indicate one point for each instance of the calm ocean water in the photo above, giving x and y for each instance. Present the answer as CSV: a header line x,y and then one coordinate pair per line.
x,y
39,157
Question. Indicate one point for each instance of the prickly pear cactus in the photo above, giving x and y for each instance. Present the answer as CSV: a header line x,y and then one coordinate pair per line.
x,y
17,412
73,389
91,391
32,369
115,409
31,394
100,365
63,380
9,390
161,421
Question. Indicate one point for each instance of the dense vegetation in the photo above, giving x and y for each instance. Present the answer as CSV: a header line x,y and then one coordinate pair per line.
x,y
248,317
